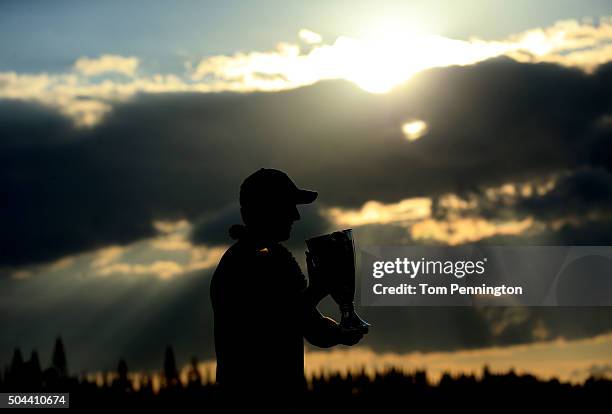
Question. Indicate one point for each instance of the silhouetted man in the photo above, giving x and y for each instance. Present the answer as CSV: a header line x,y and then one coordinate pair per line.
x,y
263,305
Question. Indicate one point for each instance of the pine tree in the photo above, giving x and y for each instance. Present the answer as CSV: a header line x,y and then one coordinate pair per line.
x,y
194,377
170,372
17,363
123,383
122,369
34,363
59,358
34,371
16,370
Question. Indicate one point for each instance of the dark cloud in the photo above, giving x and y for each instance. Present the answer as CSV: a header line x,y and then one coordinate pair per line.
x,y
576,207
588,232
167,156
212,229
31,126
585,190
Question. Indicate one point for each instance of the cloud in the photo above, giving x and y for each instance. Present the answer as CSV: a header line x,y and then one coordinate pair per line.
x,y
374,212
161,157
377,64
107,64
104,318
21,274
23,86
107,256
546,208
466,230
124,296
212,229
83,100
310,37
579,193
135,316
168,254
283,68
165,269
567,42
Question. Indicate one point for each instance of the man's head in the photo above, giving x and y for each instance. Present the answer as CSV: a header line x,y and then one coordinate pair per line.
x,y
268,200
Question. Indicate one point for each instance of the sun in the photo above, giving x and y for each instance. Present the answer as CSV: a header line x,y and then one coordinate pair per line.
x,y
391,53
381,61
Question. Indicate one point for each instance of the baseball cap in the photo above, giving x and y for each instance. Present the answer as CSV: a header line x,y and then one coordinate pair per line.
x,y
268,185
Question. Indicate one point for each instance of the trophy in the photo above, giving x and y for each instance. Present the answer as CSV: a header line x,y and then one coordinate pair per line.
x,y
334,255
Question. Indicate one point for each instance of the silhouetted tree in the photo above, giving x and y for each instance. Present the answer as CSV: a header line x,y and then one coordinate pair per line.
x,y
122,382
34,363
352,391
171,375
486,372
146,387
34,373
194,378
17,363
59,359
17,374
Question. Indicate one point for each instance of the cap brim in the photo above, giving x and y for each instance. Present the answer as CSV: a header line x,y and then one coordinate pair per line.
x,y
305,196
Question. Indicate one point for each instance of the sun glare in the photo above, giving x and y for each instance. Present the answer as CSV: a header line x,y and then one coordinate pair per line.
x,y
387,56
414,130
383,63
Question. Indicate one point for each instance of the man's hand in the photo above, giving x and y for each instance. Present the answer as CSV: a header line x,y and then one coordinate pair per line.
x,y
325,332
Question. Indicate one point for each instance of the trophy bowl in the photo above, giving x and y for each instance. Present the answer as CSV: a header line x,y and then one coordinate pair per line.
x,y
333,255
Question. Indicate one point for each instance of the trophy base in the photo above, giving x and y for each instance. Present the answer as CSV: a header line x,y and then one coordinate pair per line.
x,y
351,322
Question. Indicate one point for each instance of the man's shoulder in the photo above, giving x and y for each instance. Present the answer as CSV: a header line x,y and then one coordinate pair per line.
x,y
241,256
235,255
232,265
245,255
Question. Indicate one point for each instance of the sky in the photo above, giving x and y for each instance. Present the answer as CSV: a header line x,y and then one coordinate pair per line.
x,y
126,129
55,34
